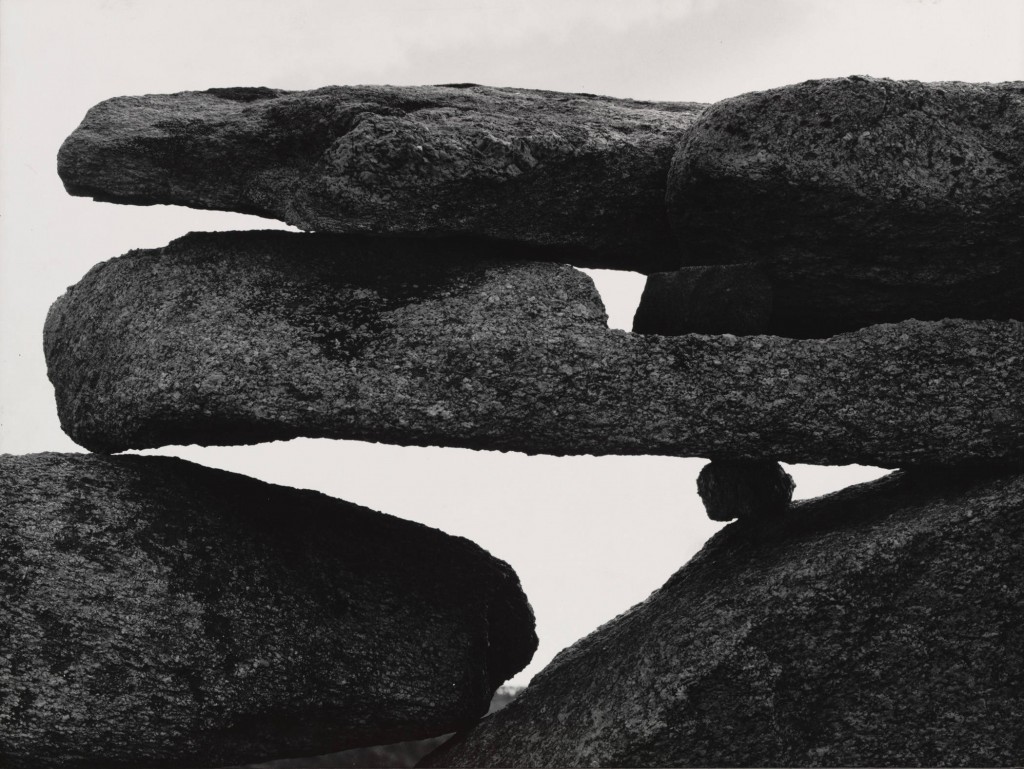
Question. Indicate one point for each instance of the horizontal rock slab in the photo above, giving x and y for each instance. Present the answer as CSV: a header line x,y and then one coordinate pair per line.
x,y
154,612
879,626
584,173
233,338
865,200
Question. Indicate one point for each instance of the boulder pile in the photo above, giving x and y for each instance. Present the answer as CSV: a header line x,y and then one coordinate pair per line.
x,y
836,275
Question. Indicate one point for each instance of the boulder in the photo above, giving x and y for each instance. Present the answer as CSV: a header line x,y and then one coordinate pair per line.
x,y
232,338
879,626
757,490
585,174
154,612
718,299
865,200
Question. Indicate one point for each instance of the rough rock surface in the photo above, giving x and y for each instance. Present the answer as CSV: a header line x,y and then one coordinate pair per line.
x,y
879,626
158,613
745,490
583,172
228,338
717,299
865,200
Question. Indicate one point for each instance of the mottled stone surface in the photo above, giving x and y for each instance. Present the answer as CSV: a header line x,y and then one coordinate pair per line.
x,y
229,338
751,490
156,613
879,626
865,200
717,299
583,173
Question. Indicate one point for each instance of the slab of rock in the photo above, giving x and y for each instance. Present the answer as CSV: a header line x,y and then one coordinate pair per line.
x,y
584,173
879,626
717,299
865,200
757,490
233,338
159,613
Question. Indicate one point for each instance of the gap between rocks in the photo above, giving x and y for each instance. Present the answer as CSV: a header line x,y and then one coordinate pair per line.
x,y
620,291
507,502
643,518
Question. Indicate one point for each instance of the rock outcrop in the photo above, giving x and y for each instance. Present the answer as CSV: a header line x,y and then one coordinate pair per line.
x,y
718,299
880,626
159,613
231,338
753,490
865,200
581,172
847,287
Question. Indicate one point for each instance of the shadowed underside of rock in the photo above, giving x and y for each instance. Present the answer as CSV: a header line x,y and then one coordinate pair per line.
x,y
582,172
746,490
880,626
866,201
233,338
715,299
158,613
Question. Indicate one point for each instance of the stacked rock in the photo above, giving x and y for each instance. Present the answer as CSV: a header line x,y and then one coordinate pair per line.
x,y
836,276
160,613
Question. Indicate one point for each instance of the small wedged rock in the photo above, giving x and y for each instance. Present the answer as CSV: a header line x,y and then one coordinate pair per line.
x,y
158,613
865,200
582,173
879,626
716,299
757,490
233,338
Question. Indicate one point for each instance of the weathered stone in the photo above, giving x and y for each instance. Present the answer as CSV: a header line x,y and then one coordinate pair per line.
x,y
229,338
401,754
748,490
719,299
879,626
159,613
865,200
582,172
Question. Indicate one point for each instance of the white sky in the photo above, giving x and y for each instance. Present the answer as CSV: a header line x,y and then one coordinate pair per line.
x,y
588,536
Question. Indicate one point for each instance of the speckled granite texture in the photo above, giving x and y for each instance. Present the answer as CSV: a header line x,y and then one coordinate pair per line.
x,y
879,626
230,338
584,173
156,613
865,200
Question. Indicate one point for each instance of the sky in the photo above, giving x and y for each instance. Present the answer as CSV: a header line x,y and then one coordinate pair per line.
x,y
588,536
